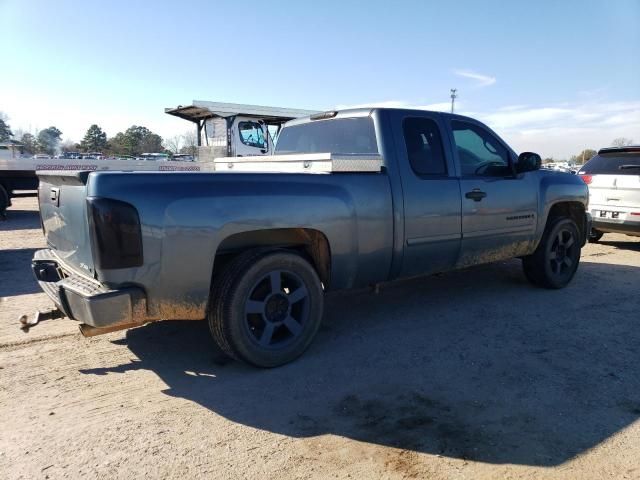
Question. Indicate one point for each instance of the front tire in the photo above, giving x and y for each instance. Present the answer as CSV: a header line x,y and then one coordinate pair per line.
x,y
266,307
595,235
555,261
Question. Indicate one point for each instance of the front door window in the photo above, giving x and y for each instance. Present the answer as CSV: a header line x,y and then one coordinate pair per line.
x,y
252,134
480,153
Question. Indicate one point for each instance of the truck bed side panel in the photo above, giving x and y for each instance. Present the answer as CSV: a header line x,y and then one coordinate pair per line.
x,y
186,216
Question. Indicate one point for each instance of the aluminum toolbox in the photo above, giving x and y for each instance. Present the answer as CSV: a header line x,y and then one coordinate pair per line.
x,y
304,163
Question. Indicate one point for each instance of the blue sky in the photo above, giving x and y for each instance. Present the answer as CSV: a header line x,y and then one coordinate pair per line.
x,y
549,76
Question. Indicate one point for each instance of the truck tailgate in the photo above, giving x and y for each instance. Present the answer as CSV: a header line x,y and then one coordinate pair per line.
x,y
63,209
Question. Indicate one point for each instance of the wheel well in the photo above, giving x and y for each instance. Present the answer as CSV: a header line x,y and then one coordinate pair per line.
x,y
310,243
573,210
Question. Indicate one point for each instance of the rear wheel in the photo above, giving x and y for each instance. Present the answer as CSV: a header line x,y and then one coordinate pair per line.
x,y
555,261
595,235
266,307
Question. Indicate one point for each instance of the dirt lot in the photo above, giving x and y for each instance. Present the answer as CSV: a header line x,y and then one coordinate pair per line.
x,y
473,374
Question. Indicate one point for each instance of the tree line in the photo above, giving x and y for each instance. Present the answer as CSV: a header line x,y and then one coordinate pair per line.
x,y
586,154
134,141
46,141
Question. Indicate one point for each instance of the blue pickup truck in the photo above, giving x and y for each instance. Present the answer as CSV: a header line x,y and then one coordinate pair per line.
x,y
406,193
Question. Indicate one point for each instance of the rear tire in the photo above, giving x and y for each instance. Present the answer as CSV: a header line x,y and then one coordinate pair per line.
x,y
266,307
555,261
595,235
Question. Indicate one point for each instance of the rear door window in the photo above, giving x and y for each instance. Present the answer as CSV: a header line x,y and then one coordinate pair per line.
x,y
613,164
342,135
424,146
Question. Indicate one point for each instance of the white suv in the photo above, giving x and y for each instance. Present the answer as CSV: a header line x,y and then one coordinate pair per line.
x,y
613,176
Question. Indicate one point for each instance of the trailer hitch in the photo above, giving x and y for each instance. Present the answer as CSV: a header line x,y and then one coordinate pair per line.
x,y
26,323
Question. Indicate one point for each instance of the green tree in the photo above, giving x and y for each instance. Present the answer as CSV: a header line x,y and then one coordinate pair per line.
x,y
136,140
48,140
5,131
149,142
584,156
120,144
28,142
95,140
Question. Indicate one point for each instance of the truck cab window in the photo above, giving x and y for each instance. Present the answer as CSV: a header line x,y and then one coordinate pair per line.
x,y
480,153
342,135
252,134
424,146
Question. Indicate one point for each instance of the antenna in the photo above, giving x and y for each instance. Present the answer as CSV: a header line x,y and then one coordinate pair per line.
x,y
453,98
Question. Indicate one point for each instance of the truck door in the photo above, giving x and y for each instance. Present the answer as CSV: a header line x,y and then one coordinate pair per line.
x,y
250,137
432,210
499,209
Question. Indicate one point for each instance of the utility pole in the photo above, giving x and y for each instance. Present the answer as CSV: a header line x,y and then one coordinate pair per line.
x,y
453,98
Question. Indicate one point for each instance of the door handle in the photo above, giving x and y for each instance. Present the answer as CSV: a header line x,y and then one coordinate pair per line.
x,y
476,194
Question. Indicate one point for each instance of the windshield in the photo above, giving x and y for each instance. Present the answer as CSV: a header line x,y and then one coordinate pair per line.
x,y
343,135
613,164
252,134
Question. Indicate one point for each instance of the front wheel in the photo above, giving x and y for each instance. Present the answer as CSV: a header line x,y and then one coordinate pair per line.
x,y
595,235
266,308
555,261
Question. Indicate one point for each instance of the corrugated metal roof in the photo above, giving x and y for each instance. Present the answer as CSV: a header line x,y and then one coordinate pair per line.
x,y
201,109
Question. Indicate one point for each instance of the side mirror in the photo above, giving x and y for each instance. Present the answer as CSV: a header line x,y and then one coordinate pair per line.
x,y
528,162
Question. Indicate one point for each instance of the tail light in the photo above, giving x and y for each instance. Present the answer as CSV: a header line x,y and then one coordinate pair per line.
x,y
116,237
586,178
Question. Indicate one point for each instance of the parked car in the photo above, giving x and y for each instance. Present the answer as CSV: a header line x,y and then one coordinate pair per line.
x,y
182,157
613,176
380,194
153,156
92,156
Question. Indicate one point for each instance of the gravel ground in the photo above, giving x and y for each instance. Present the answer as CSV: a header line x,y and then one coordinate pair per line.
x,y
472,374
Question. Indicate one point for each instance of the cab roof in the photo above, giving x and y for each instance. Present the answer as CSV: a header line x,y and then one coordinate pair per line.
x,y
367,111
